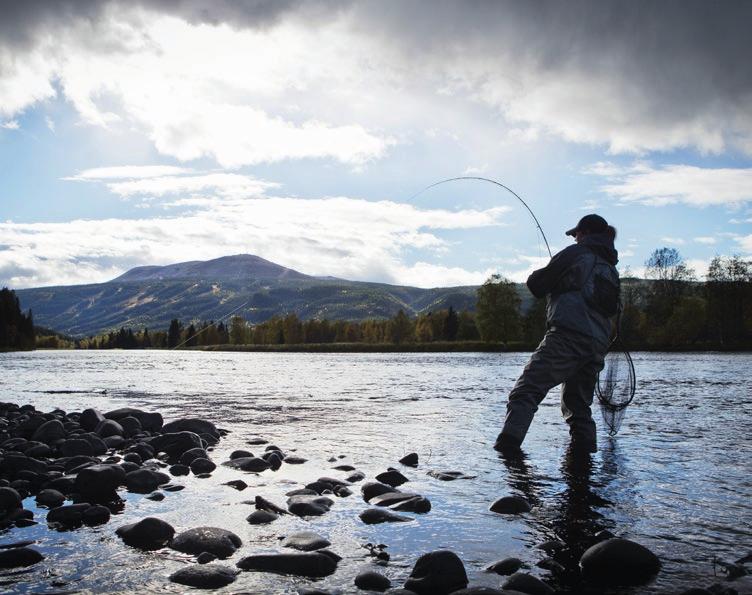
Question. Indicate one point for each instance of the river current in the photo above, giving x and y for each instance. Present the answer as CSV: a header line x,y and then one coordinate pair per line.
x,y
677,478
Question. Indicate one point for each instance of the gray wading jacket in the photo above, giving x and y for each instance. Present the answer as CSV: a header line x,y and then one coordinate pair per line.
x,y
582,285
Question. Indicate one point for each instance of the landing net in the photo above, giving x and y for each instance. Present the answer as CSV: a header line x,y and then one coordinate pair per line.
x,y
616,386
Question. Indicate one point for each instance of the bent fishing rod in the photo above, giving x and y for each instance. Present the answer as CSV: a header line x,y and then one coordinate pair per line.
x,y
496,183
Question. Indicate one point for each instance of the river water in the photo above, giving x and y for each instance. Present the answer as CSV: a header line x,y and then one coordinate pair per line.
x,y
676,479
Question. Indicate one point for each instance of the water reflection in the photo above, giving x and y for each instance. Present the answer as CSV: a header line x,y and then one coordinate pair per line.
x,y
564,526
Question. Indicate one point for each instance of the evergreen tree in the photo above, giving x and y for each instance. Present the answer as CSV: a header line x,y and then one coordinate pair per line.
x,y
173,333
451,325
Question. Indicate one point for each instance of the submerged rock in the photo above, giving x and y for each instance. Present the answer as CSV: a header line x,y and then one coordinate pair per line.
x,y
220,542
369,580
510,505
506,566
253,464
526,583
19,557
311,564
373,488
309,505
450,475
410,460
261,517
144,481
619,562
392,477
306,541
209,576
237,484
374,516
437,573
148,534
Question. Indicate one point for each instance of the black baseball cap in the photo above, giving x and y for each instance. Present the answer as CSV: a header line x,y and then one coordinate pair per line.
x,y
589,224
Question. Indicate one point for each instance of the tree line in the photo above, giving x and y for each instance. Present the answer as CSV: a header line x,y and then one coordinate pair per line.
x,y
16,328
669,309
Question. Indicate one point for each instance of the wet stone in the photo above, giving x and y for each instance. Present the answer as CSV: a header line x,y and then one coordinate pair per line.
x,y
510,505
619,562
191,455
209,576
261,517
344,468
156,496
374,516
356,477
148,534
173,487
202,466
10,499
372,489
69,516
179,469
527,583
240,454
309,505
220,542
143,481
19,557
311,564
368,580
306,541
392,477
205,558
506,566
410,460
253,464
237,484
437,573
95,515
450,475
295,460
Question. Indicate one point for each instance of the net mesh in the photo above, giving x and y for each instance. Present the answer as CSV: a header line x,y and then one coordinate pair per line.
x,y
616,387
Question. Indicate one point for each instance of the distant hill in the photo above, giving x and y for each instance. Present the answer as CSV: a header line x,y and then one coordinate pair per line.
x,y
226,268
192,291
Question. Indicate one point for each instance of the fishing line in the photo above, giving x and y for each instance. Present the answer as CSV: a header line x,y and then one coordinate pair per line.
x,y
196,334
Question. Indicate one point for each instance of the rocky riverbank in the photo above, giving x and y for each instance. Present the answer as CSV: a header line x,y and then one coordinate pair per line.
x,y
80,466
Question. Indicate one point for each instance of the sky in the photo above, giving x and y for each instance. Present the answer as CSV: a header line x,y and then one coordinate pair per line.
x,y
161,131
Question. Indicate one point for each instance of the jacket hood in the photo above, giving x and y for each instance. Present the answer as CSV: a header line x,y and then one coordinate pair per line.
x,y
602,245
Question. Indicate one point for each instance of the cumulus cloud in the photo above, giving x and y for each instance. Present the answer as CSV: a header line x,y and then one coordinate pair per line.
x,y
671,184
338,236
256,81
707,240
10,125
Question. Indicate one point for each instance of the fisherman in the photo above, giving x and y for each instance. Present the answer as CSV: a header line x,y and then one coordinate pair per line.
x,y
582,285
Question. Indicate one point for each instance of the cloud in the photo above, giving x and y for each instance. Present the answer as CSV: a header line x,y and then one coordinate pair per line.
x,y
674,241
707,240
338,236
262,81
671,184
129,172
10,125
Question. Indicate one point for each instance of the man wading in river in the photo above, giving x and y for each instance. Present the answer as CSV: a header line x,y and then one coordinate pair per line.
x,y
582,286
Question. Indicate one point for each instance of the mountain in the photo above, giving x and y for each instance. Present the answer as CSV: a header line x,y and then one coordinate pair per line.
x,y
212,290
226,268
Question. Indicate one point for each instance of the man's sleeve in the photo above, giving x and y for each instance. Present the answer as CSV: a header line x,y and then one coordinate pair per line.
x,y
543,281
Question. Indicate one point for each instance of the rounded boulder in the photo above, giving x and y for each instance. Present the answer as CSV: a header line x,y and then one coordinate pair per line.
x,y
619,561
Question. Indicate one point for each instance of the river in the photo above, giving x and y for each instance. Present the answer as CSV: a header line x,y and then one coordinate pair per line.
x,y
676,478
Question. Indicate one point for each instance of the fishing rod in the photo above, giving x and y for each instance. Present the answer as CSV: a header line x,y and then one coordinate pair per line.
x,y
196,334
496,183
